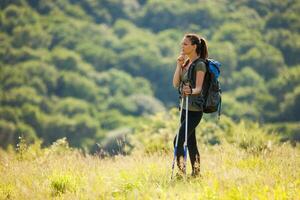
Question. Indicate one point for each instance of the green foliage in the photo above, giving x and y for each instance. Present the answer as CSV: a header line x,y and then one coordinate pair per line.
x,y
11,77
263,58
21,95
30,36
72,84
287,131
287,20
123,28
60,147
287,42
10,113
14,16
7,133
12,56
21,148
101,58
138,105
247,16
7,191
290,106
72,106
146,104
40,70
166,44
246,77
119,82
96,10
251,138
32,116
162,11
158,133
10,133
64,59
117,142
236,34
285,90
77,129
179,14
112,62
239,103
225,53
114,119
27,132
63,182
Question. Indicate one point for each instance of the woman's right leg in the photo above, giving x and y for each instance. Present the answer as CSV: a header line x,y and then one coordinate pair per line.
x,y
180,150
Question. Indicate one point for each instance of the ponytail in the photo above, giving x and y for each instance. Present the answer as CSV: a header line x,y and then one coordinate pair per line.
x,y
203,49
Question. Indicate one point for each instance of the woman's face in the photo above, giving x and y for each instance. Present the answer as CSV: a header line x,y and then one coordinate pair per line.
x,y
187,47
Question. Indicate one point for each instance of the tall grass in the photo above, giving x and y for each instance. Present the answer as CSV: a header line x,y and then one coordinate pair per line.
x,y
228,172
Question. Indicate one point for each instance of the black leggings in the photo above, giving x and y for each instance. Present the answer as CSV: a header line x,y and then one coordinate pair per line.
x,y
194,118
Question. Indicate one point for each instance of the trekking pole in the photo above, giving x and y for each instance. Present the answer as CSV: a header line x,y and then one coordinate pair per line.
x,y
176,143
186,131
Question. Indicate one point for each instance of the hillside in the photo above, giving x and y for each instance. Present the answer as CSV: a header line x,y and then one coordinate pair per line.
x,y
81,69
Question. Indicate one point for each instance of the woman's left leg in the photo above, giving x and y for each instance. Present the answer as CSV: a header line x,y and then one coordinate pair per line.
x,y
194,154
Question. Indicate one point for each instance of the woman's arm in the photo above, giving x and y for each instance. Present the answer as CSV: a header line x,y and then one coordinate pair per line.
x,y
199,82
178,71
176,77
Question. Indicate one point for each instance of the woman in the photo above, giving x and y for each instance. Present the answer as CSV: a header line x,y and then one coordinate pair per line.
x,y
193,51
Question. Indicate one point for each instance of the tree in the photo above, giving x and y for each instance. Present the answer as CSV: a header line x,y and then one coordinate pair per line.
x,y
14,16
101,58
163,12
289,108
32,115
30,36
226,54
246,77
71,106
42,71
287,42
120,82
265,59
19,96
10,114
7,133
74,85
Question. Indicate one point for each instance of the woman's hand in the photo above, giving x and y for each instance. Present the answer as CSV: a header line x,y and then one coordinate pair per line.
x,y
181,59
187,90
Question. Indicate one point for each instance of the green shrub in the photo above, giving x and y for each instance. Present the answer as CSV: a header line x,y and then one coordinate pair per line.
x,y
63,182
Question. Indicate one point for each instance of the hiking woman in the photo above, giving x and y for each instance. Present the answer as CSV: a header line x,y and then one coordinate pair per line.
x,y
193,52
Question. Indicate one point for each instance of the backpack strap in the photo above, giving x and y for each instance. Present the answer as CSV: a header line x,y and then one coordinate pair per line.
x,y
219,109
191,71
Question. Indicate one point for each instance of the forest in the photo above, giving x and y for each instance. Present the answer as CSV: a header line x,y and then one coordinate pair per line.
x,y
88,69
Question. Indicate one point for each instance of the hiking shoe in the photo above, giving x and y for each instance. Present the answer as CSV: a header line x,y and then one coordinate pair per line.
x,y
196,175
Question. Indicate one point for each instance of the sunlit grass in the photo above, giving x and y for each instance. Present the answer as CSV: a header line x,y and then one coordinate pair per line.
x,y
228,172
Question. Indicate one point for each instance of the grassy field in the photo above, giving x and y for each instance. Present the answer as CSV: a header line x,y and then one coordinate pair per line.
x,y
228,172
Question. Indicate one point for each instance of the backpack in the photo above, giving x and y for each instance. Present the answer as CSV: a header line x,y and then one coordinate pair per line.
x,y
210,97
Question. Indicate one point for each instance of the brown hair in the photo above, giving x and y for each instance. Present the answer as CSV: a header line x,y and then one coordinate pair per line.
x,y
201,43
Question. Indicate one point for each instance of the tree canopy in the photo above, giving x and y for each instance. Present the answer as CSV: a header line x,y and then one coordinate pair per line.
x,y
82,68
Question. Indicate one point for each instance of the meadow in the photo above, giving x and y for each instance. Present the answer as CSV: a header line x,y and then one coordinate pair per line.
x,y
227,172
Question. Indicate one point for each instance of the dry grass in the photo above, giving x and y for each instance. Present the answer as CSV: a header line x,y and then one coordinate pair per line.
x,y
227,173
